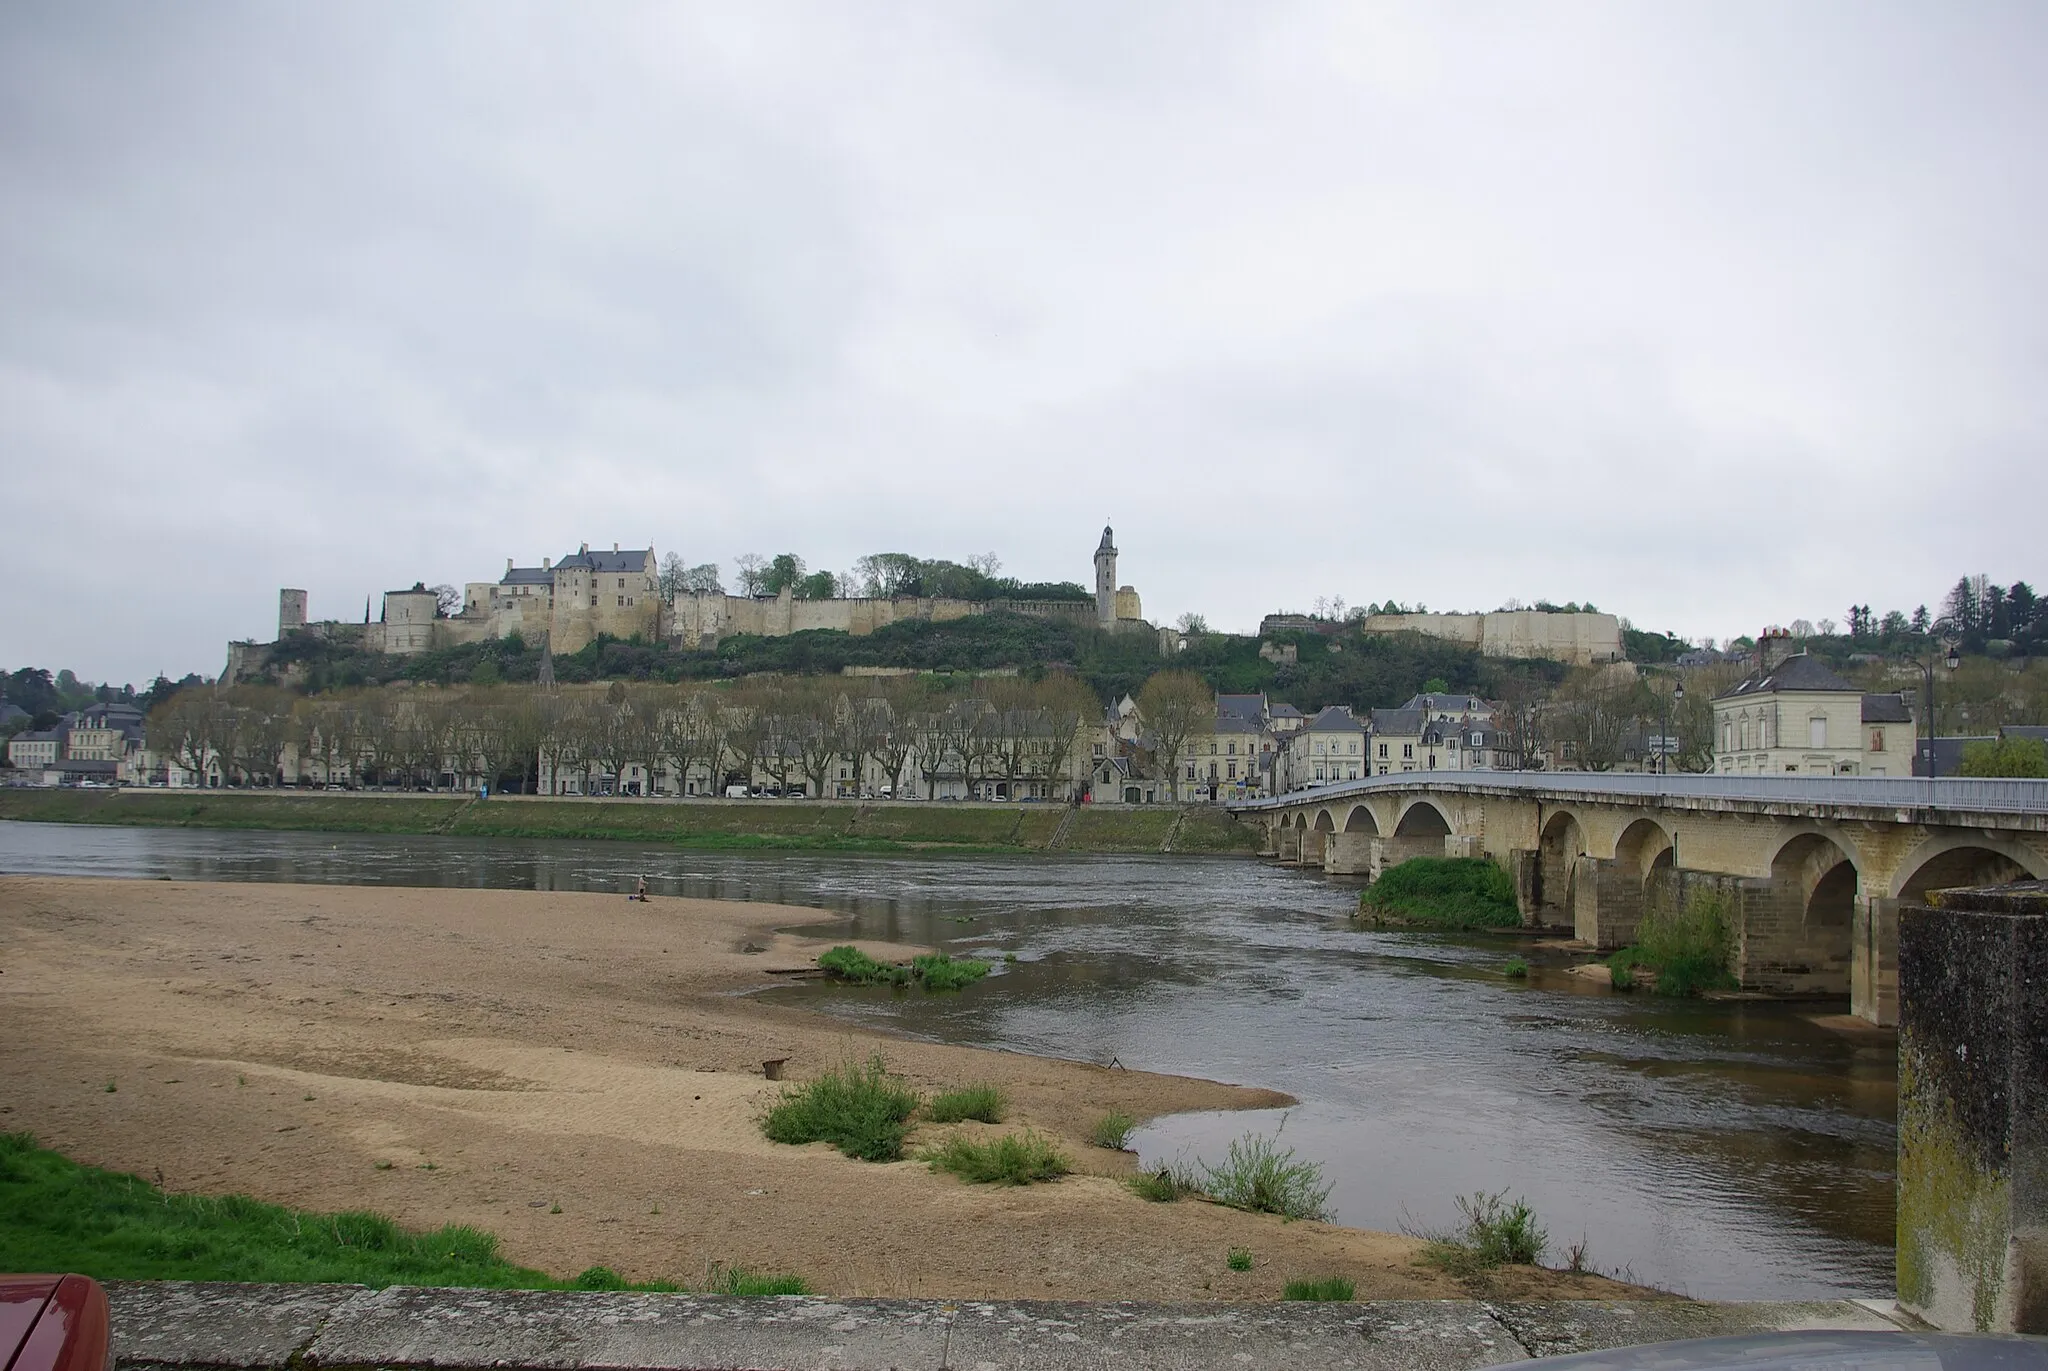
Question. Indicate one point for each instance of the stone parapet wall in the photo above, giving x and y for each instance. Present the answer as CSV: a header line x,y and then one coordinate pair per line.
x,y
190,1325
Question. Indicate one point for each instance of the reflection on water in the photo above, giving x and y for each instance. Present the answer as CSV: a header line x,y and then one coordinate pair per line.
x,y
1727,1150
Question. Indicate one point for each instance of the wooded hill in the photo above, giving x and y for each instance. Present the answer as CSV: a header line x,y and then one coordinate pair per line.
x,y
1350,668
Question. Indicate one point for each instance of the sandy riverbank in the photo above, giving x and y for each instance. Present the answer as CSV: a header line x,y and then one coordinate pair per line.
x,y
509,1053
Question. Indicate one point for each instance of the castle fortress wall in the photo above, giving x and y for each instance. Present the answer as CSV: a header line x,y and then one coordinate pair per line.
x,y
1581,639
701,620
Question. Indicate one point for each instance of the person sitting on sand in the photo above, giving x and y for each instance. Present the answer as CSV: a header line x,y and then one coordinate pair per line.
x,y
639,891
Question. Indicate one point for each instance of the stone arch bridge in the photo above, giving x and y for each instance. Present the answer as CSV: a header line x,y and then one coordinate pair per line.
x,y
1815,867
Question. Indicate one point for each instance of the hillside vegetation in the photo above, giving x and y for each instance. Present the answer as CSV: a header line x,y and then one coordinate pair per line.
x,y
1350,668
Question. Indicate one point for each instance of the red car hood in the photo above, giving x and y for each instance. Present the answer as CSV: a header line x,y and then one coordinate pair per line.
x,y
53,1323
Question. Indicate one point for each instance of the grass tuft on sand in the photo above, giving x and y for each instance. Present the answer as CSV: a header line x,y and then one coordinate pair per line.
x,y
861,1110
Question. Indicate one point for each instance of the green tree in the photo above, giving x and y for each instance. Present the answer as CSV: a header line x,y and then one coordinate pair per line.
x,y
2022,757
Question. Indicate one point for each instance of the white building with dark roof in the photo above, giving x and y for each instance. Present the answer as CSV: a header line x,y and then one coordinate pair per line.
x,y
1800,717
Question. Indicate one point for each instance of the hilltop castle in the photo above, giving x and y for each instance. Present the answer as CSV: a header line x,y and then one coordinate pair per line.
x,y
571,602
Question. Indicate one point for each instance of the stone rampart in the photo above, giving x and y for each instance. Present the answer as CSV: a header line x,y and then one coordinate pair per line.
x,y
1581,639
701,620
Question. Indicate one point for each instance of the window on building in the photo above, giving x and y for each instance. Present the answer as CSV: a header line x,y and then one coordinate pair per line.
x,y
1233,770
1191,771
1383,749
1728,737
1212,749
1877,740
1407,749
1231,748
1817,731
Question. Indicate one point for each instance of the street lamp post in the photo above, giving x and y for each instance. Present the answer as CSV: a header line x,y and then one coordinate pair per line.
x,y
1953,661
1676,697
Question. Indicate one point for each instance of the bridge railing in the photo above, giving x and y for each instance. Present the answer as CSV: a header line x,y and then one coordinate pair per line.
x,y
1966,794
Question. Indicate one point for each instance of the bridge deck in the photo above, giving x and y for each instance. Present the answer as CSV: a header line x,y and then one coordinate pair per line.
x,y
1900,794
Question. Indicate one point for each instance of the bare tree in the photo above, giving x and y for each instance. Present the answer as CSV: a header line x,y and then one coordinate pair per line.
x,y
188,728
1594,712
1173,705
1522,718
447,601
1069,709
751,569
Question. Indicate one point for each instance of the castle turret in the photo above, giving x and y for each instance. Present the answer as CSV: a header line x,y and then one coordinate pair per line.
x,y
1105,580
291,611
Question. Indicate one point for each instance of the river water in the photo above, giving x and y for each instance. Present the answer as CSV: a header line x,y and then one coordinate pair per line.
x,y
1725,1150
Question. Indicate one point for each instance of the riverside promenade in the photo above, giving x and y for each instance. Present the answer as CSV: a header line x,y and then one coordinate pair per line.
x,y
191,1326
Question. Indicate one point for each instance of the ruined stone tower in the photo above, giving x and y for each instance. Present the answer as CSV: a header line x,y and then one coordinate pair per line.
x,y
291,611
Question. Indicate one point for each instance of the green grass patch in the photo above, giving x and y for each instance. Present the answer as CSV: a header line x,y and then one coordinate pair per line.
x,y
1491,1231
1163,1184
1113,1131
939,971
1101,828
982,1103
1689,948
738,1280
860,1109
56,1215
1328,1289
1013,1159
848,963
1442,892
1239,1259
1259,1175
1211,830
1516,969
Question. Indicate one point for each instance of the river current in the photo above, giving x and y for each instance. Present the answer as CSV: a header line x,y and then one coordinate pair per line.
x,y
1727,1150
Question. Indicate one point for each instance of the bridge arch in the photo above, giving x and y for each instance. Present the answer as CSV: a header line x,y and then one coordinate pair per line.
x,y
1360,820
1642,845
1954,859
1814,884
1324,822
1558,849
1422,819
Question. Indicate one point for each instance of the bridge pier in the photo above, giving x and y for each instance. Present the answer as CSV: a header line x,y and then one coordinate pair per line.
x,y
1874,962
1393,851
1349,854
1313,841
1290,846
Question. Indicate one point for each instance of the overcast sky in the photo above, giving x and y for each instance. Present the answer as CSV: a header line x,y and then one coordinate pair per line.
x,y
1716,315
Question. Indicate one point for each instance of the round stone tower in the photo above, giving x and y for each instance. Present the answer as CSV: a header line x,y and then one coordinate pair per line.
x,y
1105,580
291,611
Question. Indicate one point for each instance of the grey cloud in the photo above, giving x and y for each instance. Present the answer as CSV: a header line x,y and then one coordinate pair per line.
x,y
1716,314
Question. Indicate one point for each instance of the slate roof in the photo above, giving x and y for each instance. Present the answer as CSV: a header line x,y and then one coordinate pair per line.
x,y
1886,709
1284,712
605,563
1335,719
528,576
1401,723
1794,673
1436,703
1241,706
10,711
1232,723
1948,753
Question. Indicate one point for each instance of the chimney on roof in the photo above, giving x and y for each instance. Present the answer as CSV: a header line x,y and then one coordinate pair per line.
x,y
1773,646
584,549
547,564
508,566
615,547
